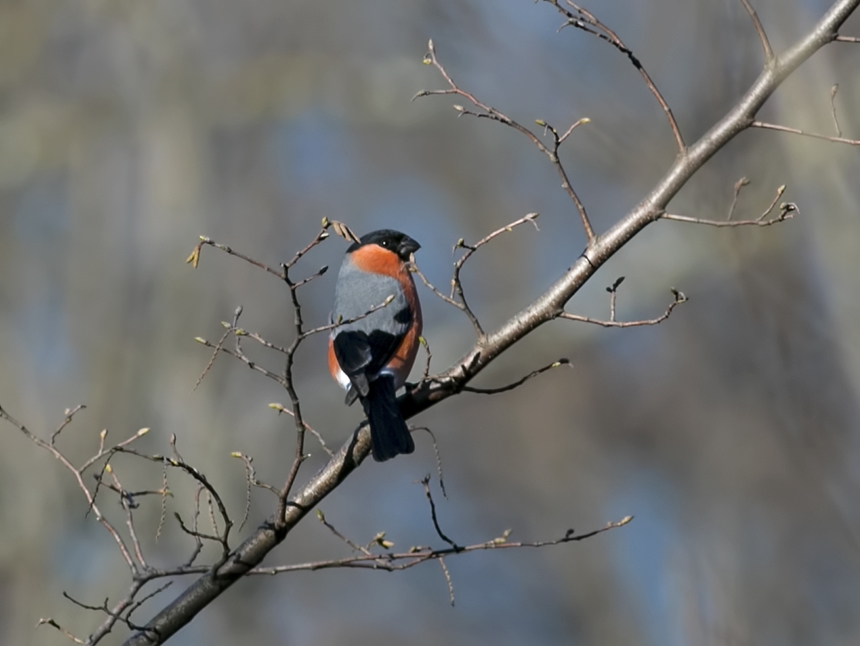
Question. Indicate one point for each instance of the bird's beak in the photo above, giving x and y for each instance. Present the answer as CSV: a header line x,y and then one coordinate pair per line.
x,y
408,246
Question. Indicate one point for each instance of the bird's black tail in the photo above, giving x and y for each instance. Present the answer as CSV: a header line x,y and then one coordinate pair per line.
x,y
389,435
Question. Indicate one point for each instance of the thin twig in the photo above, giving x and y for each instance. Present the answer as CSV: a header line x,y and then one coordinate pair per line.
x,y
833,92
679,298
438,456
518,382
234,327
213,520
322,235
230,251
162,515
416,270
126,500
787,210
253,365
283,409
195,533
342,322
117,489
352,544
429,356
251,473
102,452
394,561
613,296
216,348
305,281
762,36
447,579
195,518
249,478
426,482
139,602
573,127
47,621
69,414
263,342
795,131
294,399
739,185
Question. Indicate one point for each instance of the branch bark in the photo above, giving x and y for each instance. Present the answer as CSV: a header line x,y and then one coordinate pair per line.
x,y
547,307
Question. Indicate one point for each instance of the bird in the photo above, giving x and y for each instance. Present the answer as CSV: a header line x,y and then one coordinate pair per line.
x,y
375,338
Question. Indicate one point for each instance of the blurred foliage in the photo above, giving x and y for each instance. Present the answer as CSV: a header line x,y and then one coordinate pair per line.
x,y
129,128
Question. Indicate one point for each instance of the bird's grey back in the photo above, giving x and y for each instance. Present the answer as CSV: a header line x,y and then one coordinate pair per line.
x,y
358,291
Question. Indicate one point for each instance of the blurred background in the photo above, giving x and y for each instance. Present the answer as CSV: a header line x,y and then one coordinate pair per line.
x,y
730,432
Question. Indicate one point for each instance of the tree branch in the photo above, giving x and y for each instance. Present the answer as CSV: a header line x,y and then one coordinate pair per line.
x,y
679,298
393,561
787,210
795,131
518,382
762,36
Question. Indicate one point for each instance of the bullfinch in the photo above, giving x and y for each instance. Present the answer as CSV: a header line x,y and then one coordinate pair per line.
x,y
371,354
